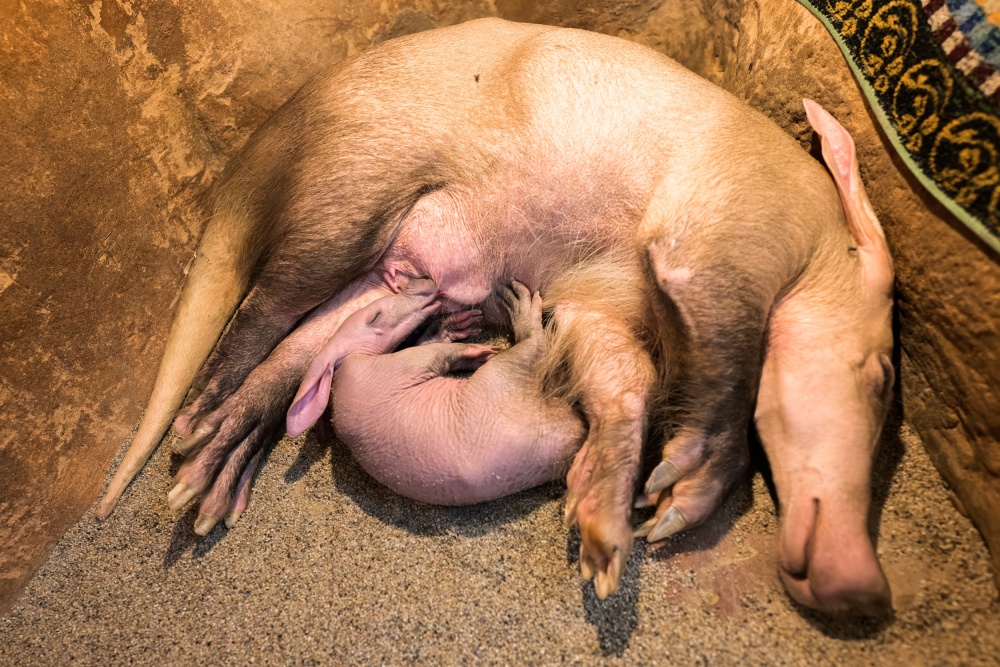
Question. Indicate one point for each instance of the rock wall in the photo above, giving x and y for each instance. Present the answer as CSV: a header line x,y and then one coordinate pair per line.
x,y
117,115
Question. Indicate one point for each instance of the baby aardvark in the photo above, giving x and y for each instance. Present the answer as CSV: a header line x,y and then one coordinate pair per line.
x,y
439,439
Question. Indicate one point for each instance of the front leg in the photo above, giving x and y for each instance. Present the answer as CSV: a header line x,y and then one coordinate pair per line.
x,y
612,375
720,360
717,279
226,444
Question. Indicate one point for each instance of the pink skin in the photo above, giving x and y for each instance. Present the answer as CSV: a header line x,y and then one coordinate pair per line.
x,y
433,438
375,329
223,448
310,335
808,564
451,441
220,445
564,146
235,430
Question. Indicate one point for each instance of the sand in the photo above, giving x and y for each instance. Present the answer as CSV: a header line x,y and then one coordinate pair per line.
x,y
327,567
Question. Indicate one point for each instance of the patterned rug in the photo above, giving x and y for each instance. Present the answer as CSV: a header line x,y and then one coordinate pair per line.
x,y
931,71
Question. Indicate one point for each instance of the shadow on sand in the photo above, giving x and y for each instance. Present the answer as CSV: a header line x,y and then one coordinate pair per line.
x,y
420,518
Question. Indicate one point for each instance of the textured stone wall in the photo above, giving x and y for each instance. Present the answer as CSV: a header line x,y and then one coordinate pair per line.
x,y
117,115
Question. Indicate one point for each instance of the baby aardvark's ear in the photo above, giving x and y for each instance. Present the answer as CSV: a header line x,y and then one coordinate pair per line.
x,y
841,159
309,402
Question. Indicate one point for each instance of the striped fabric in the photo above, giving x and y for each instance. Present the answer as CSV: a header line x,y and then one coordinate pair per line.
x,y
969,39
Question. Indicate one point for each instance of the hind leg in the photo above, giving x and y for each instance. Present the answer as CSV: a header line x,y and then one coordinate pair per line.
x,y
225,441
315,237
309,264
278,300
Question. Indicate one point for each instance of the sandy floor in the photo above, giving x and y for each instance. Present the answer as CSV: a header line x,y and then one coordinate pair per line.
x,y
327,567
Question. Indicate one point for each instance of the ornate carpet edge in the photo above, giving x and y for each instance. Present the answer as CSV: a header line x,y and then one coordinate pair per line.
x,y
974,224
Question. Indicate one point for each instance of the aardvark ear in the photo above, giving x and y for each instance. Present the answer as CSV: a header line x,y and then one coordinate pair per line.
x,y
842,161
310,401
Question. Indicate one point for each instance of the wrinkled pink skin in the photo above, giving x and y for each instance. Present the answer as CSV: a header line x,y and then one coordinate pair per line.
x,y
377,328
447,440
588,145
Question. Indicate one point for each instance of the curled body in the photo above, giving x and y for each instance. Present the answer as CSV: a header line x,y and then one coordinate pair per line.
x,y
438,438
457,441
492,151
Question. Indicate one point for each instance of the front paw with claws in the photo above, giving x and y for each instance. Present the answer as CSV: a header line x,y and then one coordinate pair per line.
x,y
696,473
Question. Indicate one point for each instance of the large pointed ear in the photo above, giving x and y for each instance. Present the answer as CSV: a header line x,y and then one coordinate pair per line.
x,y
841,159
310,401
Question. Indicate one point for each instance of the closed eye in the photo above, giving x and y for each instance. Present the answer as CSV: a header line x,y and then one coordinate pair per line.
x,y
375,317
890,372
888,375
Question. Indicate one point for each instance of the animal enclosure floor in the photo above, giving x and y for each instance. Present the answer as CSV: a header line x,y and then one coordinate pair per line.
x,y
327,567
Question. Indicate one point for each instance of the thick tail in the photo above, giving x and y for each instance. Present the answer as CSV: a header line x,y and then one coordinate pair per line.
x,y
215,285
